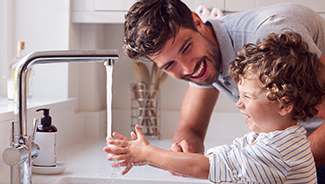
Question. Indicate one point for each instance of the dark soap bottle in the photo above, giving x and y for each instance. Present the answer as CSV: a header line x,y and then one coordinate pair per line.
x,y
46,138
46,122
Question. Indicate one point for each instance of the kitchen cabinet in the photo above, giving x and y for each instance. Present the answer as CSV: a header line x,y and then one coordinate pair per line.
x,y
193,4
316,5
113,11
113,5
99,11
240,5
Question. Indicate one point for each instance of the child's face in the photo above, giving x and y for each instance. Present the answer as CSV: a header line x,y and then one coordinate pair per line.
x,y
261,114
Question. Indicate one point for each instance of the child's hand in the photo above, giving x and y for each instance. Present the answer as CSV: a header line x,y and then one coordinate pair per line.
x,y
122,137
129,152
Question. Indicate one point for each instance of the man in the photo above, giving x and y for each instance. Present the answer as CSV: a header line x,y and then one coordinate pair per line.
x,y
179,42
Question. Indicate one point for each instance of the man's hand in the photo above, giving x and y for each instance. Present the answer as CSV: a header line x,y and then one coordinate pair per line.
x,y
183,146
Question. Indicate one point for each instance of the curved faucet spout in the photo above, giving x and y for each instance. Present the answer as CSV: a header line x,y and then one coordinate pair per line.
x,y
21,173
70,56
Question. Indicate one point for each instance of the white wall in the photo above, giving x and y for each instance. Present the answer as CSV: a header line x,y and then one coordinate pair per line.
x,y
6,19
44,25
92,90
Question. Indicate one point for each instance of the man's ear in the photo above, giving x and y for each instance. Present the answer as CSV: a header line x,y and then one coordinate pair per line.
x,y
198,23
285,109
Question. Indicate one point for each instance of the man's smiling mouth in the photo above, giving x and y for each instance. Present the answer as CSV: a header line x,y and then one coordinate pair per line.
x,y
200,71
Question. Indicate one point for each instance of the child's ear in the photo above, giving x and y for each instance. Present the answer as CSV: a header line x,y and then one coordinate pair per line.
x,y
285,109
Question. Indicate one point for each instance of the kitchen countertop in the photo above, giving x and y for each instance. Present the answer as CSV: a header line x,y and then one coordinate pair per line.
x,y
7,107
88,160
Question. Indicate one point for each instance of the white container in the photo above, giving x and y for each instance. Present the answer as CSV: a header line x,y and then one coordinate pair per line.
x,y
46,139
47,143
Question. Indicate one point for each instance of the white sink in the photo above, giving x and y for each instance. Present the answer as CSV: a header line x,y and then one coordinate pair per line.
x,y
81,180
87,164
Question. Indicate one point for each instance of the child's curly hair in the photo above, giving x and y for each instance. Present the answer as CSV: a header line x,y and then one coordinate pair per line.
x,y
285,68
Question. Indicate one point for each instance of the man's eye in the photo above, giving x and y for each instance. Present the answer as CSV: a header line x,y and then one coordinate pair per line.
x,y
168,65
187,48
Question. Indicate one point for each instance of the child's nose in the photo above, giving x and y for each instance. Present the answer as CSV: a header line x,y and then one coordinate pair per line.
x,y
239,104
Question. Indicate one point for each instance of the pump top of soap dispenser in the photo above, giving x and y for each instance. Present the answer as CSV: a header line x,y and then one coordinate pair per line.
x,y
46,122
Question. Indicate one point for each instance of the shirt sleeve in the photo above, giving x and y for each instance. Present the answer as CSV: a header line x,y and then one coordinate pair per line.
x,y
246,161
200,86
305,22
295,26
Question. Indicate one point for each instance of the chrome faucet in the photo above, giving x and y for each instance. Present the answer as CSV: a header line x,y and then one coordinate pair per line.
x,y
22,147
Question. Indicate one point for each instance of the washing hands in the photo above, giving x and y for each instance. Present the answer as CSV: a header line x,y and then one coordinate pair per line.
x,y
129,153
139,152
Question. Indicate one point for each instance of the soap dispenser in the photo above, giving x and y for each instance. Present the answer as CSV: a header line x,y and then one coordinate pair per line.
x,y
46,138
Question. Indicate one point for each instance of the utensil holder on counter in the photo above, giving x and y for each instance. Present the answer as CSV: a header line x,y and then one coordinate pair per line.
x,y
145,110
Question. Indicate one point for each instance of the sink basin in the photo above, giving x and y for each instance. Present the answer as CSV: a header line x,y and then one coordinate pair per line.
x,y
81,180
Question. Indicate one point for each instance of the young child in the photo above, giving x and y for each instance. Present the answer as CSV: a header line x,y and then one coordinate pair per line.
x,y
279,82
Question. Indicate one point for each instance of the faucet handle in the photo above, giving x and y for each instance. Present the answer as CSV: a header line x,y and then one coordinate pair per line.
x,y
15,155
35,124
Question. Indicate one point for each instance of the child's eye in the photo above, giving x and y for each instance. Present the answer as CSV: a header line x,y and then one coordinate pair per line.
x,y
246,96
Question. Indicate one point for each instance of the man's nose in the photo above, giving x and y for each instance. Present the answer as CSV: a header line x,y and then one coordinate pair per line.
x,y
187,67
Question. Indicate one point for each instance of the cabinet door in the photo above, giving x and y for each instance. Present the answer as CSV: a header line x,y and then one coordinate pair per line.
x,y
128,3
124,5
190,3
210,4
109,5
193,4
113,11
113,5
316,5
240,5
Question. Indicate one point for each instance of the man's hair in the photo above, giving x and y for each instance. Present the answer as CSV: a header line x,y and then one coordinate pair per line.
x,y
149,24
284,68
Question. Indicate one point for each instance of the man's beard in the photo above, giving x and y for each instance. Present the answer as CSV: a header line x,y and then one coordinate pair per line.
x,y
213,53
